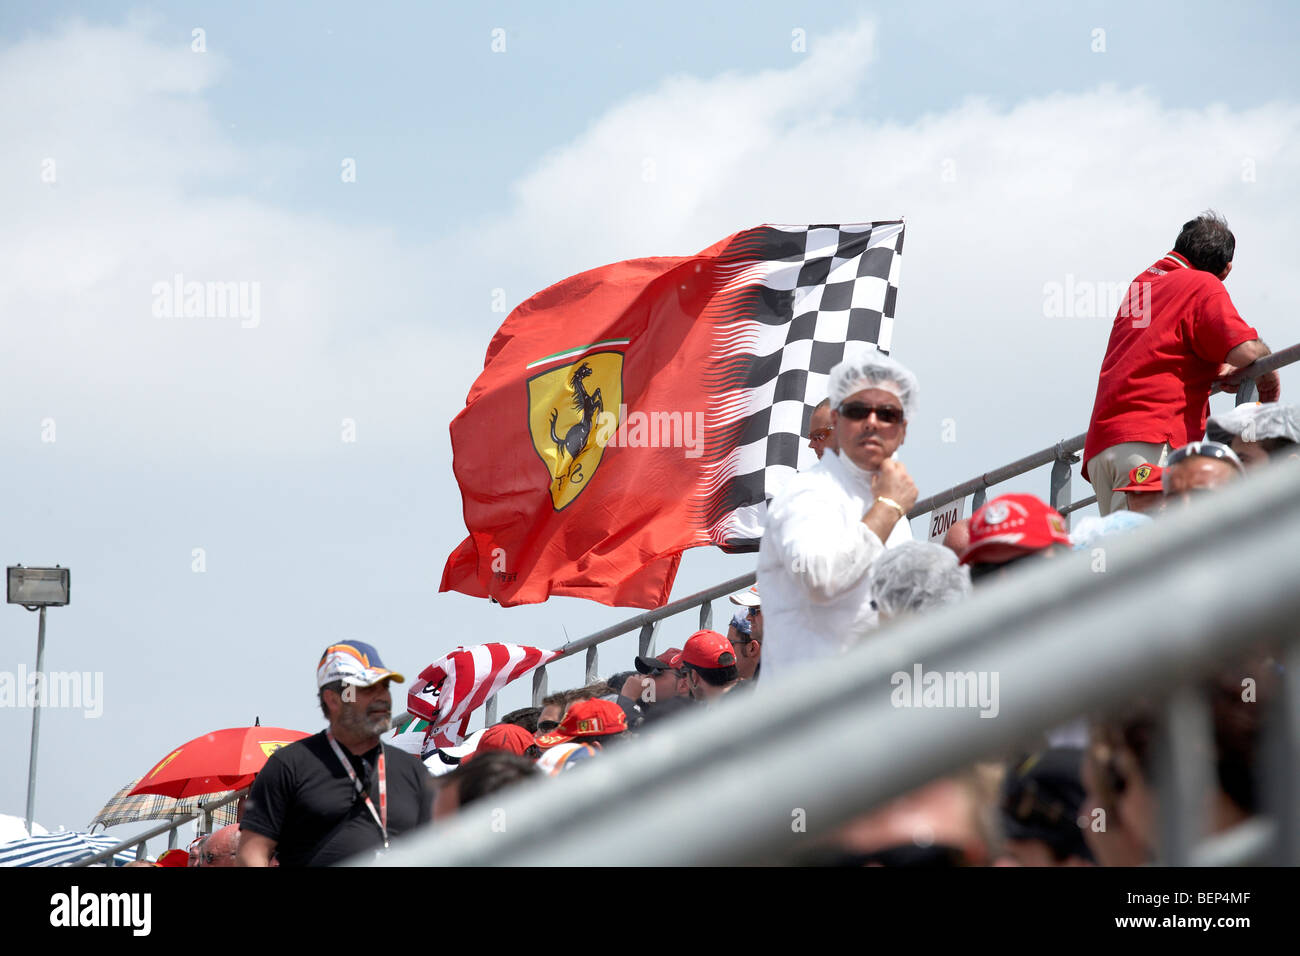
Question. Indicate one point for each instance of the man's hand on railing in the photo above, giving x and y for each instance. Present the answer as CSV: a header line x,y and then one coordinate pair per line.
x,y
1269,384
1270,387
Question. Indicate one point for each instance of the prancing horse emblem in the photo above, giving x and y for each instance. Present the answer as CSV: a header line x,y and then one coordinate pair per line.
x,y
572,410
575,439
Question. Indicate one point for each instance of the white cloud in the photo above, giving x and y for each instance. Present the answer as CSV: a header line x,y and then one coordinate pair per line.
x,y
999,202
348,319
356,322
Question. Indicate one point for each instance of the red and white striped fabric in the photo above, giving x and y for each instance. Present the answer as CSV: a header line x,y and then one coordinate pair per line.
x,y
450,689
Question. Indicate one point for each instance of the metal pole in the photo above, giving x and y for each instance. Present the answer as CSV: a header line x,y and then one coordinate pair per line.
x,y
36,719
539,685
706,616
1184,748
1059,495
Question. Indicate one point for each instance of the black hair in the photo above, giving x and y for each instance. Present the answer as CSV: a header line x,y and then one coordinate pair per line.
x,y
602,739
615,683
334,685
982,571
1278,448
1206,242
525,717
489,772
717,676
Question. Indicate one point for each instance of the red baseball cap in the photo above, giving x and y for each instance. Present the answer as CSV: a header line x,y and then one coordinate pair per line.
x,y
507,737
668,660
707,649
1010,526
1145,477
586,719
177,857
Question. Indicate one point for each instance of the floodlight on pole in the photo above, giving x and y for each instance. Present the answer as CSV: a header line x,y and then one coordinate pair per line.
x,y
36,589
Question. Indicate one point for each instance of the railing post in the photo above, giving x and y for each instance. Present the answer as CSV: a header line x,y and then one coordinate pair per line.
x,y
1282,760
706,616
593,664
1246,392
977,500
490,711
1059,497
1184,747
646,640
539,685
141,851
173,837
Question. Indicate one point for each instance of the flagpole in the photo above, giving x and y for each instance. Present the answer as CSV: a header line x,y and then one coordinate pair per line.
x,y
36,719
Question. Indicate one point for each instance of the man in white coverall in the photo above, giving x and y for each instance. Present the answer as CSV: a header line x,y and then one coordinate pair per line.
x,y
828,524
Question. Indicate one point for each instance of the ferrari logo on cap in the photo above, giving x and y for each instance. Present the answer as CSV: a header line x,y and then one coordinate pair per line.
x,y
1141,474
996,513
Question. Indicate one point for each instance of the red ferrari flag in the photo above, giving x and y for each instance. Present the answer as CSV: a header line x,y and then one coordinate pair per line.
x,y
645,407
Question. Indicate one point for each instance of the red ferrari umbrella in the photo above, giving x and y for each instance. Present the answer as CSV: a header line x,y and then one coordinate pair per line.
x,y
222,760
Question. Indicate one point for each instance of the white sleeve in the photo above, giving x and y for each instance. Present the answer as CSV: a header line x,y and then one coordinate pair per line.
x,y
902,532
821,553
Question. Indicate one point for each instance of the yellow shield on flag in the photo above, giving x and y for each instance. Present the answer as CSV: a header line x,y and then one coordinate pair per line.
x,y
572,412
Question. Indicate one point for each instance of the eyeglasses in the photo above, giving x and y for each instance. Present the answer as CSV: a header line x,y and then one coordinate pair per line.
x,y
821,434
885,414
546,726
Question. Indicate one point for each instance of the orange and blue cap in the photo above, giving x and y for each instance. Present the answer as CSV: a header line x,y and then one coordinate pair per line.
x,y
353,663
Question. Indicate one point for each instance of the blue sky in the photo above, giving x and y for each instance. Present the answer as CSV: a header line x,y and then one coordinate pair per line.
x,y
479,170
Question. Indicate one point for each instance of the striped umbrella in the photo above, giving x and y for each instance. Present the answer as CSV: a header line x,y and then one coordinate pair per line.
x,y
59,849
125,807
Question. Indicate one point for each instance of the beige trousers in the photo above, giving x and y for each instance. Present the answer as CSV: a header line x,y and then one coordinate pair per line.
x,y
1108,470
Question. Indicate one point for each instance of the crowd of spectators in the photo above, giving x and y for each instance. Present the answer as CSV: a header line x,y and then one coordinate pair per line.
x,y
837,566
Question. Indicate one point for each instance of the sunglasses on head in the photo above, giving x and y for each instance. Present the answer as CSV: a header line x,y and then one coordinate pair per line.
x,y
885,414
1204,449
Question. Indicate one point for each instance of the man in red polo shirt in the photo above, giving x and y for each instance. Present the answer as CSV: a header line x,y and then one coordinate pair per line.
x,y
1176,333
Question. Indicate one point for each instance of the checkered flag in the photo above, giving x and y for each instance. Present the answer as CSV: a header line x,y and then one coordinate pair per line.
x,y
799,294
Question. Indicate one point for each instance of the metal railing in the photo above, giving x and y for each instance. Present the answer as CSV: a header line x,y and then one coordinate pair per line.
x,y
826,744
170,827
1060,456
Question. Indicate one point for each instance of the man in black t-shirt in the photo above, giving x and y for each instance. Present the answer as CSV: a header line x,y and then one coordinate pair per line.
x,y
318,801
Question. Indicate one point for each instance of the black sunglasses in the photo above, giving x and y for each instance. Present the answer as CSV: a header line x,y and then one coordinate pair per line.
x,y
885,414
546,726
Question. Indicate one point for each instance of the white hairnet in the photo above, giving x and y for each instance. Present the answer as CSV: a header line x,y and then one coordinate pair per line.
x,y
1092,529
1255,422
865,366
917,576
